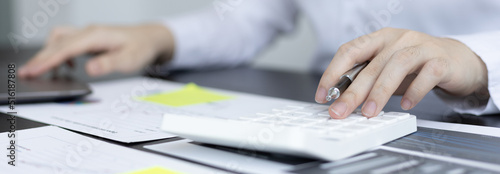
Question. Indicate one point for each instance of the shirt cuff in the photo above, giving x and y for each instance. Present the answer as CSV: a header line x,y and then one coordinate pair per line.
x,y
182,28
475,104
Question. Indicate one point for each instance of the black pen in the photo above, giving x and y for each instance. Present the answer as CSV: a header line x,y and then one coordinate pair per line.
x,y
344,82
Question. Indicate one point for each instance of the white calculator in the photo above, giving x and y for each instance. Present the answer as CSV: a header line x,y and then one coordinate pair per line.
x,y
293,128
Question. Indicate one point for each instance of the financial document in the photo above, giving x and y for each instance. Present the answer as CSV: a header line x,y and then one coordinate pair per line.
x,y
52,149
130,110
110,111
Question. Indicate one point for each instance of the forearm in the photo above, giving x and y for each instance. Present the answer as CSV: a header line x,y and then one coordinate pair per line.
x,y
204,40
163,40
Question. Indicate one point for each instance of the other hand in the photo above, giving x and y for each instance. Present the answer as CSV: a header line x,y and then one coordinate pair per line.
x,y
120,48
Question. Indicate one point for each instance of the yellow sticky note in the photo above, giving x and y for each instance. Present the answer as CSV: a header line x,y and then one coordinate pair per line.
x,y
154,170
188,95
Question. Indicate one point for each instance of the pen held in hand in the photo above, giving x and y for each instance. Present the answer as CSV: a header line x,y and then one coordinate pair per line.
x,y
344,82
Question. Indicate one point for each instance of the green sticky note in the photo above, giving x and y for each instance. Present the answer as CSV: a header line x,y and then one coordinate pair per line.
x,y
189,95
154,170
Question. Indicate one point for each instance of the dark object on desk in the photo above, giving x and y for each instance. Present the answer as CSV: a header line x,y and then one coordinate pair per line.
x,y
43,90
50,87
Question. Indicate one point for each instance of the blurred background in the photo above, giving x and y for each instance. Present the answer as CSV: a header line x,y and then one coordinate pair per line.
x,y
289,53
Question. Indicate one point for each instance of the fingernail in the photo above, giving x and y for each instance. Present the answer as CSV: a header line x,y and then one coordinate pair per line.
x,y
320,95
95,69
369,109
339,108
406,104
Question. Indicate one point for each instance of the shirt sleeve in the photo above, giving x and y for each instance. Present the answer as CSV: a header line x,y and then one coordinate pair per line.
x,y
485,45
228,33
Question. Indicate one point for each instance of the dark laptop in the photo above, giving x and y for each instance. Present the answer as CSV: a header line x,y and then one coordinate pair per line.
x,y
43,90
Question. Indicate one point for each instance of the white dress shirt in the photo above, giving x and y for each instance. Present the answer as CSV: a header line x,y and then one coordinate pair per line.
x,y
232,32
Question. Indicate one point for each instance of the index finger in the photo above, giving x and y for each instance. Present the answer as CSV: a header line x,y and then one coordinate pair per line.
x,y
356,51
53,55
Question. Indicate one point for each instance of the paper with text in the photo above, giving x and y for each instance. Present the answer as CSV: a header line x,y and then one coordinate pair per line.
x,y
51,149
110,111
116,109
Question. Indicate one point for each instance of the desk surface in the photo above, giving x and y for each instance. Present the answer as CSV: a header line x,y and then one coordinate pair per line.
x,y
288,85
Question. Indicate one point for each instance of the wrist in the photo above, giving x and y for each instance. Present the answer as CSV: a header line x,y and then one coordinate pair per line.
x,y
476,76
163,42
